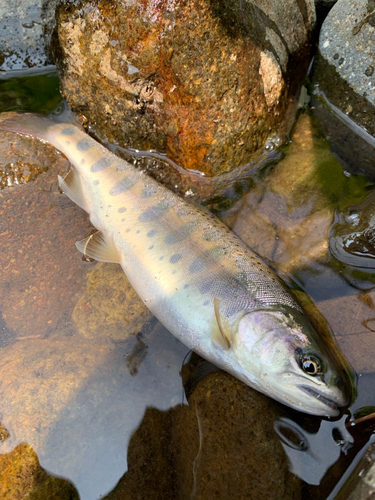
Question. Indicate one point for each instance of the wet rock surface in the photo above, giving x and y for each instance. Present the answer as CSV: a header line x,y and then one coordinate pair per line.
x,y
207,83
345,95
217,447
100,312
38,252
361,485
21,36
22,477
352,235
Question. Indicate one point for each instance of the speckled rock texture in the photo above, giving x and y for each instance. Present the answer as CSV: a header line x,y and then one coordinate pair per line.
x,y
21,36
345,74
101,310
23,478
206,82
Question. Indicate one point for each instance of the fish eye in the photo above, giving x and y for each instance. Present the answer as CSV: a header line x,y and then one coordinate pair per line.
x,y
311,365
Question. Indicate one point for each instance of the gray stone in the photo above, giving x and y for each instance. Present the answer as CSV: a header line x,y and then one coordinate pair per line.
x,y
21,36
345,88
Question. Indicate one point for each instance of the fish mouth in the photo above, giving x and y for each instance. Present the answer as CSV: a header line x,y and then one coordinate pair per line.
x,y
322,399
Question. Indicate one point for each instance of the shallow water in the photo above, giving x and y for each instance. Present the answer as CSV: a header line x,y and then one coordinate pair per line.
x,y
92,382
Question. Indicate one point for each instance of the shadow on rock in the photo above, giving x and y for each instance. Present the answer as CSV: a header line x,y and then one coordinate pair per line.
x,y
222,445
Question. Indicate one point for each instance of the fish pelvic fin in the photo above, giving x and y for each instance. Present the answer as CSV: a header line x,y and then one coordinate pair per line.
x,y
71,185
99,247
221,335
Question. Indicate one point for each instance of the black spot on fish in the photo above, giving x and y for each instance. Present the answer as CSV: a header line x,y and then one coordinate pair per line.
x,y
121,210
162,257
181,233
83,161
151,233
96,182
100,165
151,247
186,285
174,272
206,303
122,220
67,143
138,231
122,186
175,258
84,144
127,231
69,131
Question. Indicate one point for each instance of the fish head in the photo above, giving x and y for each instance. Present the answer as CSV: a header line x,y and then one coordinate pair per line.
x,y
293,364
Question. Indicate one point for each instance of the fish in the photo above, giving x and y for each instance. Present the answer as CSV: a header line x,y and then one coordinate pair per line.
x,y
208,288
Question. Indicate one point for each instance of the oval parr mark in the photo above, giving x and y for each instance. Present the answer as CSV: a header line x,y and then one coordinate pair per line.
x,y
84,144
181,233
122,186
206,287
69,131
206,259
100,165
154,212
175,258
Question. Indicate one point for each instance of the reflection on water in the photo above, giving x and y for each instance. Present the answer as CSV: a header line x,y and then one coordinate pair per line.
x,y
92,382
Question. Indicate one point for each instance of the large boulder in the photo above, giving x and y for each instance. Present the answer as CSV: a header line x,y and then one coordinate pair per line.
x,y
206,82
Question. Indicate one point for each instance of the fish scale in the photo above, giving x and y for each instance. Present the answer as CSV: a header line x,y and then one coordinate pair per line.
x,y
193,273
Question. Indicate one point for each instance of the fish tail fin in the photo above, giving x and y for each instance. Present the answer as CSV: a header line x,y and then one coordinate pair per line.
x,y
27,124
33,124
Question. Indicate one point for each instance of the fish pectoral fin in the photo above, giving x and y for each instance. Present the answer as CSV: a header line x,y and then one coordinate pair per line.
x,y
221,335
71,185
99,247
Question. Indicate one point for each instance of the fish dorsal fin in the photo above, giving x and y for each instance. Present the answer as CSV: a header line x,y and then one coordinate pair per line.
x,y
71,185
221,335
99,247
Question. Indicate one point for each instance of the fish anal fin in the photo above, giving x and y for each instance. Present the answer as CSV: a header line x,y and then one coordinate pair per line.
x,y
221,335
71,185
99,247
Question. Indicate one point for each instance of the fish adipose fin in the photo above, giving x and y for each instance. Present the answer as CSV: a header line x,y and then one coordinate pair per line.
x,y
71,185
98,247
221,335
